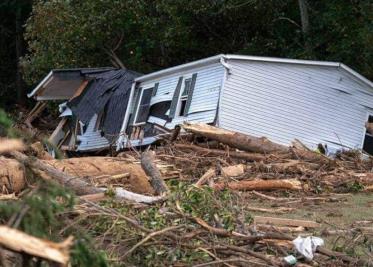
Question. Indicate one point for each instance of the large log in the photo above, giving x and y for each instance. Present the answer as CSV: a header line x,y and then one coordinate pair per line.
x,y
234,139
21,242
78,185
259,184
150,168
101,167
222,153
12,176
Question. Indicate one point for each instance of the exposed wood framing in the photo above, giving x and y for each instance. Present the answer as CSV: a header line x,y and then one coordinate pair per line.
x,y
39,107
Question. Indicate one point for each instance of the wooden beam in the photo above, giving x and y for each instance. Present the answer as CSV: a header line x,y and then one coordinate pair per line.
x,y
285,221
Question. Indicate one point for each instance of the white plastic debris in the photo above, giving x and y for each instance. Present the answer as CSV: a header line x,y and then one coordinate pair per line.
x,y
291,260
307,245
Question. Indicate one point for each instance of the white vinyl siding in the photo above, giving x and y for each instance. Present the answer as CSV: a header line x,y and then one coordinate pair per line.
x,y
91,139
316,104
205,95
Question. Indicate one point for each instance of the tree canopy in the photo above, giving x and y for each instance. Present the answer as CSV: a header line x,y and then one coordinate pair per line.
x,y
150,35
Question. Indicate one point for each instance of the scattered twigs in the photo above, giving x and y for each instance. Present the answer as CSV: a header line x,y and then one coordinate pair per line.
x,y
150,236
344,257
21,242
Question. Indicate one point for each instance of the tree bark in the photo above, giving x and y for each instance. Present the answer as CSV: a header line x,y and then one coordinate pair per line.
x,y
150,168
304,16
20,86
303,8
218,152
234,139
79,186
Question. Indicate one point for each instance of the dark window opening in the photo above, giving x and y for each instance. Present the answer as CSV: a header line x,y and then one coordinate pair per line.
x,y
368,139
182,107
160,109
143,111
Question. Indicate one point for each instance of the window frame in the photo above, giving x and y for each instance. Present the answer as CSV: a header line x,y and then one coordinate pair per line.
x,y
182,98
139,104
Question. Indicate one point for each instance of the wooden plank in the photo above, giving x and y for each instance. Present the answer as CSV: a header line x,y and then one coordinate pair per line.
x,y
57,130
285,221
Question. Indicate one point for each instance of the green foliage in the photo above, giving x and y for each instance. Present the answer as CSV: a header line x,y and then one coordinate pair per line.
x,y
148,37
355,187
5,124
207,203
39,213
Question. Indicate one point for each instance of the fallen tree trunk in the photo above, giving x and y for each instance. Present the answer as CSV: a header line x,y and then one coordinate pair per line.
x,y
234,139
222,153
259,184
98,167
18,241
150,168
79,186
12,176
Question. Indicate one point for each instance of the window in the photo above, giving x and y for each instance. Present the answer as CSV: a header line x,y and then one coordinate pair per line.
x,y
184,96
368,139
144,106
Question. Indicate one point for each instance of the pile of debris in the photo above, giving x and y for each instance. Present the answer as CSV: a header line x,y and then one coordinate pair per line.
x,y
189,201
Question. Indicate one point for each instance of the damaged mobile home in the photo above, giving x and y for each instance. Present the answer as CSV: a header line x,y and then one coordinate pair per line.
x,y
95,102
282,99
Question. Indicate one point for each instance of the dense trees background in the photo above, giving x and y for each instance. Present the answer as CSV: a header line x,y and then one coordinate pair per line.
x,y
148,35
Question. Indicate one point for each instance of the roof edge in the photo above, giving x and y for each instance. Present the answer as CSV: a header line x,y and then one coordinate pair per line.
x,y
177,68
356,74
284,60
37,88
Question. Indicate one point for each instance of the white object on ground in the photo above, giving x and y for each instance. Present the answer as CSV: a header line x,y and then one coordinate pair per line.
x,y
307,245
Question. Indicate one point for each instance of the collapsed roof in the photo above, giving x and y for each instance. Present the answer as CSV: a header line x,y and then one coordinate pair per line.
x,y
107,91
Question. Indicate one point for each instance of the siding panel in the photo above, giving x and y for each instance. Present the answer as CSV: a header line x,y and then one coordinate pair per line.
x,y
91,139
205,96
285,101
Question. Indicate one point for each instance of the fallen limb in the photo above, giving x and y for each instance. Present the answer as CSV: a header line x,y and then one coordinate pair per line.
x,y
205,177
234,139
281,229
277,210
18,241
259,184
150,168
284,221
222,153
